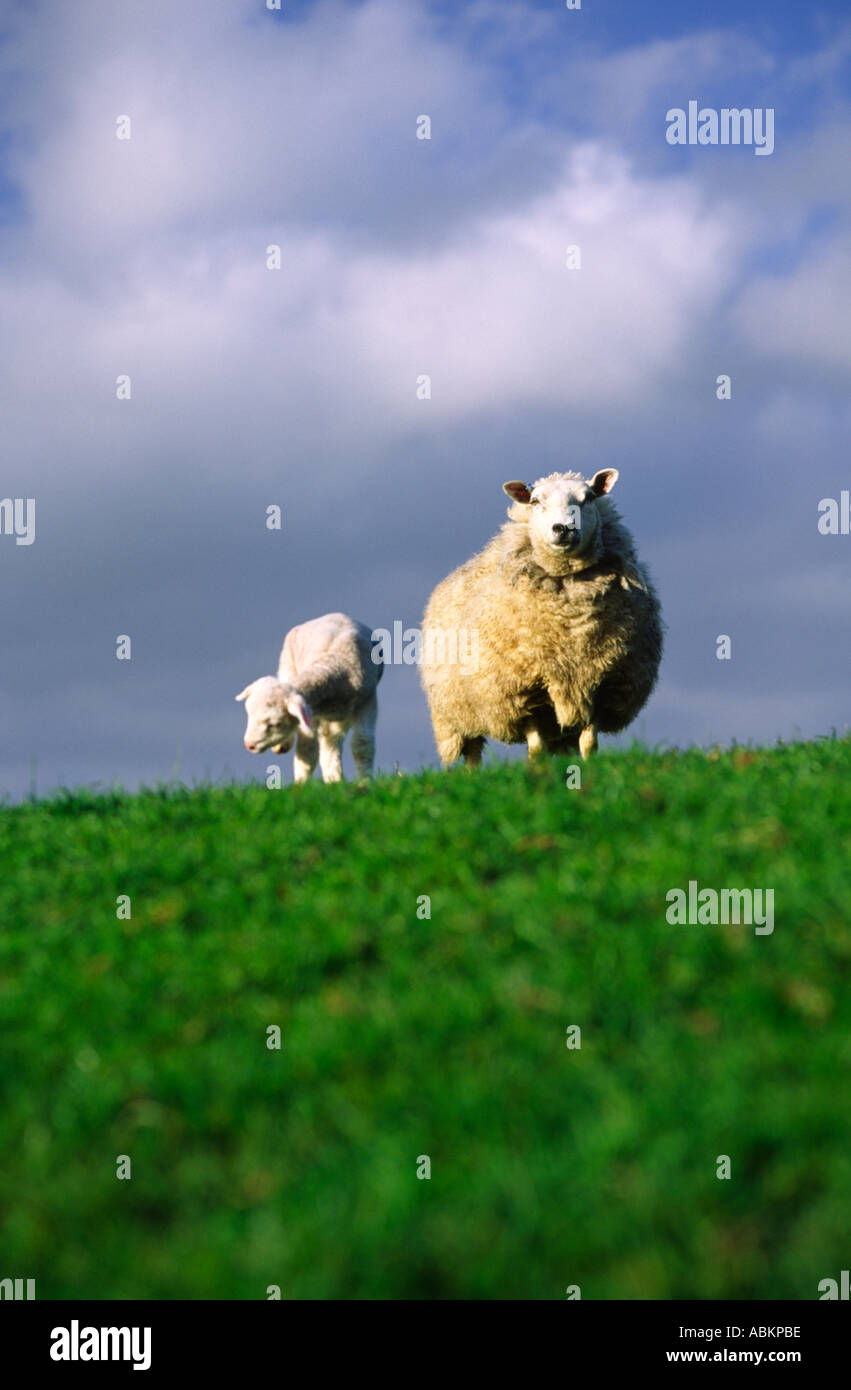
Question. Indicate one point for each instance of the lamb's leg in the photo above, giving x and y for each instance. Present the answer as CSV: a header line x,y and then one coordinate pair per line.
x,y
306,753
363,739
587,741
331,754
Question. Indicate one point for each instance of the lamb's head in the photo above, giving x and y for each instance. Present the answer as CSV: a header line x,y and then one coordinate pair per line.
x,y
276,713
563,516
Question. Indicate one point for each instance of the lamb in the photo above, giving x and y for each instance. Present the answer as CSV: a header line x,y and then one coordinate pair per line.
x,y
569,627
326,684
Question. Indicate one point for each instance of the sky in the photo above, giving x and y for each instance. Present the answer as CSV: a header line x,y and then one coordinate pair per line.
x,y
402,257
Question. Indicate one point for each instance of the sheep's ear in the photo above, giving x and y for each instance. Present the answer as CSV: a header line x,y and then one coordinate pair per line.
x,y
518,492
604,481
243,694
300,710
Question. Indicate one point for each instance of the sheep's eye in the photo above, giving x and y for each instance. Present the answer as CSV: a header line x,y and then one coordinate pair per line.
x,y
534,501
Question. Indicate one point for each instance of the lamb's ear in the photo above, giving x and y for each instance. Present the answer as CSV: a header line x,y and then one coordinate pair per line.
x,y
243,694
604,481
518,492
298,707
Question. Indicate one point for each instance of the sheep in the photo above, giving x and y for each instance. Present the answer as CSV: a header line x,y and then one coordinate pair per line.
x,y
326,684
568,622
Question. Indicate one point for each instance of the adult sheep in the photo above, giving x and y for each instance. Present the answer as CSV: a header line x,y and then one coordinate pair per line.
x,y
568,626
326,684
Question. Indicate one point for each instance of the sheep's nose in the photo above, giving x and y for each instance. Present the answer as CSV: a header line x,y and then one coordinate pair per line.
x,y
559,528
249,746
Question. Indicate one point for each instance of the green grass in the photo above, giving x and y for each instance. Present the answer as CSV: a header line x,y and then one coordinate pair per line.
x,y
403,1037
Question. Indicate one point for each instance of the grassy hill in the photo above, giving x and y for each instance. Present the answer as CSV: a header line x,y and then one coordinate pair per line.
x,y
403,1037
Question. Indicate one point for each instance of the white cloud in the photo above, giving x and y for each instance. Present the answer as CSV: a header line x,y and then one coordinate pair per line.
x,y
802,316
497,318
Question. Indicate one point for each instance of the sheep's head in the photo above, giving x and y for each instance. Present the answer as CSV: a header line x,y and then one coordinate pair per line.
x,y
562,515
276,713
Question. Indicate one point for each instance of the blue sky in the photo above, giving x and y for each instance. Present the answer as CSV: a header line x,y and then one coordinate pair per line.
x,y
402,257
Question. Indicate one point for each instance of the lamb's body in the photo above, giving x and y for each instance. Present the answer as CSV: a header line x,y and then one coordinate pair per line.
x,y
326,685
569,642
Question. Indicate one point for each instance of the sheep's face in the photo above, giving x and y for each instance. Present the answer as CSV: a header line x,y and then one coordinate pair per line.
x,y
276,713
562,514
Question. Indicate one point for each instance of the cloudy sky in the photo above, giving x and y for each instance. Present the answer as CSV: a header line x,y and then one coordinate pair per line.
x,y
401,257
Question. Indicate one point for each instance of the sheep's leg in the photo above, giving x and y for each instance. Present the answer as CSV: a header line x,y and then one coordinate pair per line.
x,y
449,743
564,711
573,716
566,743
587,741
472,751
306,753
331,754
363,739
534,742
